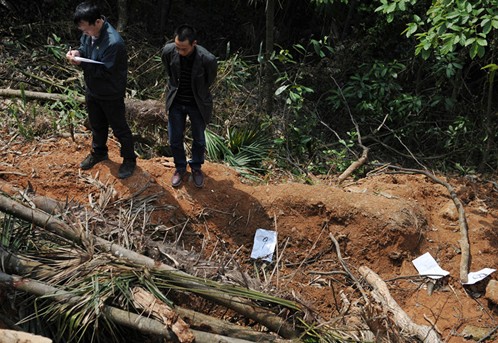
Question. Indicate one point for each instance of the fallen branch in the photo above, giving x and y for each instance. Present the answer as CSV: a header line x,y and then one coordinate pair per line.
x,y
12,173
488,335
224,328
240,305
157,309
355,165
364,155
38,95
462,220
132,320
41,202
346,268
14,264
147,113
11,336
381,293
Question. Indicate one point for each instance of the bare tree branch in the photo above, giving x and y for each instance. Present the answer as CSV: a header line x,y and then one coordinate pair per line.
x,y
402,320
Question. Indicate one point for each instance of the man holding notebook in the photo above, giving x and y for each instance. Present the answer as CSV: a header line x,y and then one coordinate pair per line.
x,y
105,81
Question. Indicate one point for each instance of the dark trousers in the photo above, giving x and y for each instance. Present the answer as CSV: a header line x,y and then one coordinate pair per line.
x,y
103,114
177,117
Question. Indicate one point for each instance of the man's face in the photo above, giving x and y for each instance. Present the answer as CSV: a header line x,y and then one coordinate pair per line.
x,y
91,29
184,48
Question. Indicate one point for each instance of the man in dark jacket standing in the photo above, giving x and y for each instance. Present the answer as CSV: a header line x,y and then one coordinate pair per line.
x,y
105,83
191,71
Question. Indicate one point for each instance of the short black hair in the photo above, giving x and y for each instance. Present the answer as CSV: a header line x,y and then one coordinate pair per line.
x,y
186,32
87,11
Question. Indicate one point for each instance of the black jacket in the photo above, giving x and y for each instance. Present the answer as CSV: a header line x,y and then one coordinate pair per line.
x,y
204,72
105,81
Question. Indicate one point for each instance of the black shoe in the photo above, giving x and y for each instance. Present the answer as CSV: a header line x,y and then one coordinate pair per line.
x,y
92,160
127,168
198,178
177,178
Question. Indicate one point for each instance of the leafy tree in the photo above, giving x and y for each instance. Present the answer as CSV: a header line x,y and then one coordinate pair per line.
x,y
449,24
446,27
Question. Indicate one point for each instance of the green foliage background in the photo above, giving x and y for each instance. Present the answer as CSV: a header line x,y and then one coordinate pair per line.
x,y
416,78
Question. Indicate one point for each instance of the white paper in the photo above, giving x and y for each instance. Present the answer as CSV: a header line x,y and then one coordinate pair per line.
x,y
478,276
264,244
82,59
427,265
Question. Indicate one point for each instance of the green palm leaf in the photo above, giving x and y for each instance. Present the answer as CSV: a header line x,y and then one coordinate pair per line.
x,y
243,149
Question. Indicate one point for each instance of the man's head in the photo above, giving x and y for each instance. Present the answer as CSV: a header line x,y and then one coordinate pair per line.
x,y
88,18
185,40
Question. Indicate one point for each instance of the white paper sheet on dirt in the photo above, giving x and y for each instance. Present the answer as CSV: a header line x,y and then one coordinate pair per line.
x,y
264,244
479,275
82,59
427,265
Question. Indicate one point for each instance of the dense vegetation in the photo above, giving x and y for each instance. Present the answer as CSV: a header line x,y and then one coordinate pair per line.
x,y
410,80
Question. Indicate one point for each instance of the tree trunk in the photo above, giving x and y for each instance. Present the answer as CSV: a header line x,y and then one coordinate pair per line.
x,y
349,18
489,122
165,9
122,15
270,23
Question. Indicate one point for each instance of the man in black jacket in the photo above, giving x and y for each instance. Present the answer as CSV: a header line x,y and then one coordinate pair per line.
x,y
105,86
191,71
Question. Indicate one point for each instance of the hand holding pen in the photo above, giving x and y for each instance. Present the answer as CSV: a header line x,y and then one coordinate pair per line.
x,y
71,54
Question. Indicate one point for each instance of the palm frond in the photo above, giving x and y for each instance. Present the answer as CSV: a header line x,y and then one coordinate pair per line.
x,y
243,149
215,146
14,233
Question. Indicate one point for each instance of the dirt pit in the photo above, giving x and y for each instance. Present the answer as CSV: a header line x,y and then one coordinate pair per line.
x,y
383,222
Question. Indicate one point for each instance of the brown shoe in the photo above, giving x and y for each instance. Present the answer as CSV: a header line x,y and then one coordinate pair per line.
x,y
177,178
198,178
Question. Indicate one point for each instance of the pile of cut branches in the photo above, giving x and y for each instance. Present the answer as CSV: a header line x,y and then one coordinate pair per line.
x,y
84,264
84,274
